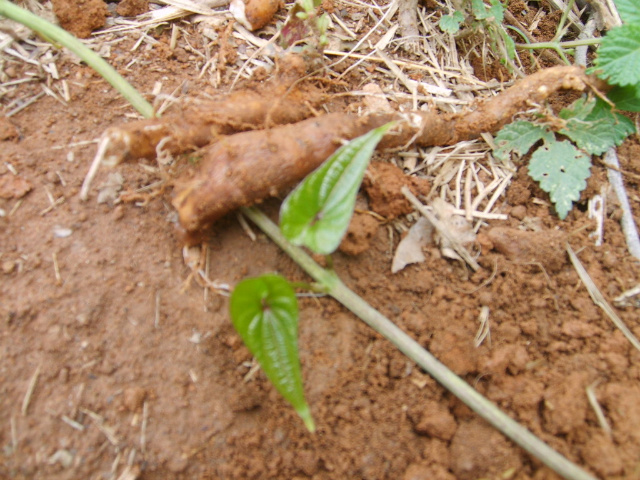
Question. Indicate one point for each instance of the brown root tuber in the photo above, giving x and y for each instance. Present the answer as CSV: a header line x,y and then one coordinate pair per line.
x,y
276,102
245,168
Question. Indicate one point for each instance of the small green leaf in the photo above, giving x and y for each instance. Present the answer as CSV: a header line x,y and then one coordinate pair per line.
x,y
496,11
629,10
317,213
264,311
519,137
595,128
626,98
619,56
451,23
507,41
562,171
307,5
578,109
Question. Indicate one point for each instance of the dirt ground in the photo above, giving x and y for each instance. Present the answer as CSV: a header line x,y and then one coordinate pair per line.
x,y
116,364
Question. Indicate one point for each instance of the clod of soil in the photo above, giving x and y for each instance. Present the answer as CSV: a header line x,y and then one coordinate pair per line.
x,y
361,230
479,451
545,247
80,17
131,8
383,183
8,130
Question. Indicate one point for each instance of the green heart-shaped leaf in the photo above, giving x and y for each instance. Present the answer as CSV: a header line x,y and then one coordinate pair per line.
x,y
317,213
264,311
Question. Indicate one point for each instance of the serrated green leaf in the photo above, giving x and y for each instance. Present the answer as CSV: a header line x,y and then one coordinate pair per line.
x,y
494,12
264,311
578,109
629,10
596,128
619,56
562,171
478,9
519,137
451,23
626,98
317,213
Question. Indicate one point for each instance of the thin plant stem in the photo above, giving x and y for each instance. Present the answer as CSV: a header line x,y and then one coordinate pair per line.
x,y
56,34
479,404
554,45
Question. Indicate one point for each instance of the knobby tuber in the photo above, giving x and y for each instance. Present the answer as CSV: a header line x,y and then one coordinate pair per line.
x,y
247,167
276,102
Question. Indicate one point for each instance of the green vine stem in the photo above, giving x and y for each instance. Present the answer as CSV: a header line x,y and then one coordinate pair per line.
x,y
58,35
556,45
479,404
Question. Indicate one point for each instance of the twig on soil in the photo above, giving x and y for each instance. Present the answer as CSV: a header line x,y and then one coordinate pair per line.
x,y
484,332
599,299
14,435
156,316
628,298
628,224
56,268
442,230
597,212
143,426
479,404
15,207
408,20
103,145
108,431
72,423
30,389
54,204
24,105
593,401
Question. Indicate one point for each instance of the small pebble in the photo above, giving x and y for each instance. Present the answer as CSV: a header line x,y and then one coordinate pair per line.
x,y
519,212
11,71
133,398
63,375
8,267
63,457
61,232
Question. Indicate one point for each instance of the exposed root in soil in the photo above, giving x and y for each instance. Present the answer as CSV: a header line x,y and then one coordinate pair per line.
x,y
245,168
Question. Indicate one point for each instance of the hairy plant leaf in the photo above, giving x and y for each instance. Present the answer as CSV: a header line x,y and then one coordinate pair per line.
x,y
493,13
579,109
451,23
317,213
594,127
626,98
496,10
629,10
519,137
508,42
264,311
562,171
618,59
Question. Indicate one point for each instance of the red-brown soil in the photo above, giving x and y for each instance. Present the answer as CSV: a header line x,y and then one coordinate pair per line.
x,y
139,374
